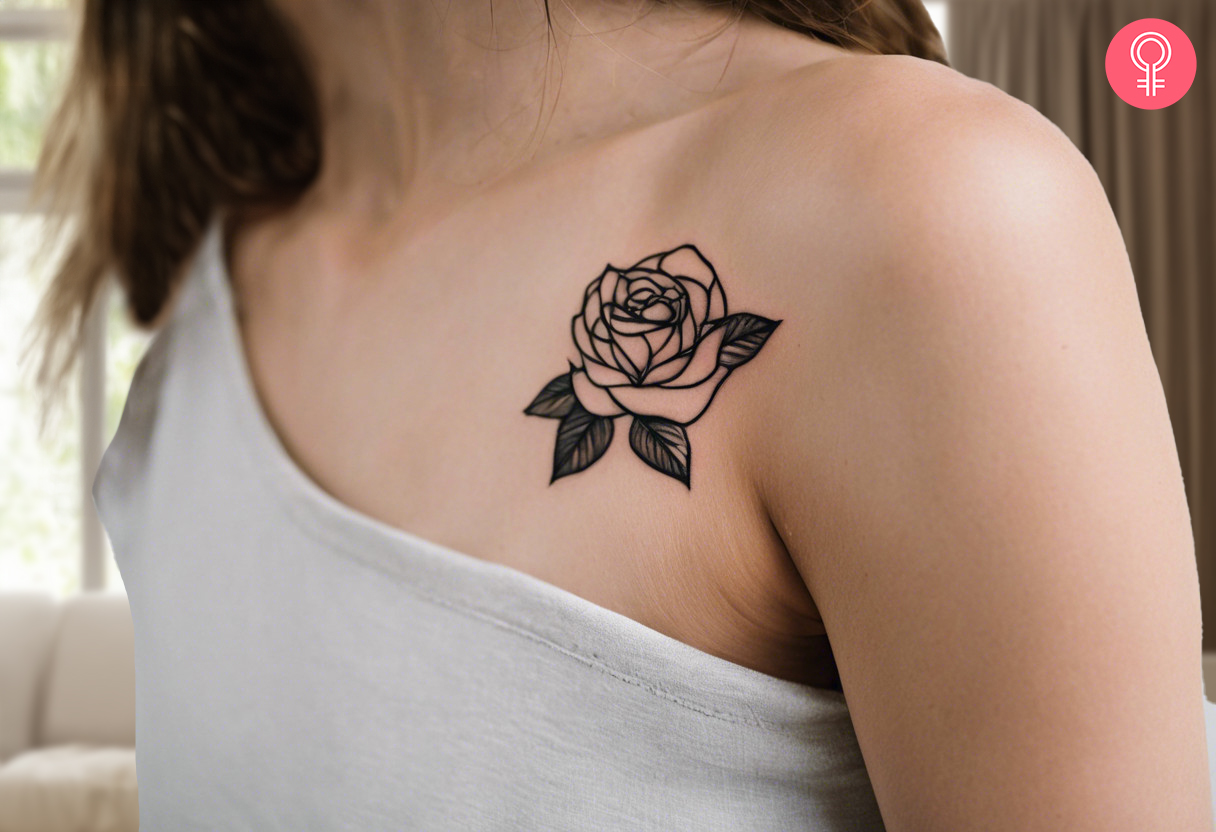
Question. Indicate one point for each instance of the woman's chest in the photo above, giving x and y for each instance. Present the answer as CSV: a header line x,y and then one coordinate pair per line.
x,y
407,400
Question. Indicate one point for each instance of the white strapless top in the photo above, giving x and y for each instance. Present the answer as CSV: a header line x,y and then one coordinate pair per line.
x,y
300,665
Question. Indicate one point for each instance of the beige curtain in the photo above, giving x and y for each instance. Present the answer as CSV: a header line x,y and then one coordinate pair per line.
x,y
1159,173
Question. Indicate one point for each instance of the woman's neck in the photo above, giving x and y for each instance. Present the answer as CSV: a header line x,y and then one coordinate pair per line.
x,y
424,99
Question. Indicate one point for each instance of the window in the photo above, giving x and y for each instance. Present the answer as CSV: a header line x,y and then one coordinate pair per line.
x,y
939,10
50,537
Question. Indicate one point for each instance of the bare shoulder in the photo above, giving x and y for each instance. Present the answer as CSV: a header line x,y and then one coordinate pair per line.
x,y
888,135
961,438
871,195
874,195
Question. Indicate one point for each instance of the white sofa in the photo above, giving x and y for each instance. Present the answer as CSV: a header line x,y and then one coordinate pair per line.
x,y
67,714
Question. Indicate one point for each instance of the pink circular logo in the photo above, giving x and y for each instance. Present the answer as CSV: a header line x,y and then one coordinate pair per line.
x,y
1151,64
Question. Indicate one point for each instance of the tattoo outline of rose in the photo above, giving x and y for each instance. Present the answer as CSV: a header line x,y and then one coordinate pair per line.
x,y
654,342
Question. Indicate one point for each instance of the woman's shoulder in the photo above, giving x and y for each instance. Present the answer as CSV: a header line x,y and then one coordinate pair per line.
x,y
862,169
960,435
885,132
880,185
868,188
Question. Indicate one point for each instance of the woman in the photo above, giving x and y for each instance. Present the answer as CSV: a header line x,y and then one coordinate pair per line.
x,y
603,416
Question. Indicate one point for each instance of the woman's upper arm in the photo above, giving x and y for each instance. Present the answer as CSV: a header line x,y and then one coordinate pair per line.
x,y
977,479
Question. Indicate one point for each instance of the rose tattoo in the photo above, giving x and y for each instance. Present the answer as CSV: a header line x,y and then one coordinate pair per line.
x,y
654,343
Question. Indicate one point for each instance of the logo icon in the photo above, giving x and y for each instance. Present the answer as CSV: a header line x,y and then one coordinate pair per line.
x,y
1151,64
1151,82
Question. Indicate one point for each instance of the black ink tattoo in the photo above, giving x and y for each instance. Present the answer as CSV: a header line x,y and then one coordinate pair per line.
x,y
654,343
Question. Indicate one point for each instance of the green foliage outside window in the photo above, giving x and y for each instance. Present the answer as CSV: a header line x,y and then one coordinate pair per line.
x,y
41,482
30,77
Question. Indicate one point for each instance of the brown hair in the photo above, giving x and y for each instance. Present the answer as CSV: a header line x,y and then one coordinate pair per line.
x,y
177,108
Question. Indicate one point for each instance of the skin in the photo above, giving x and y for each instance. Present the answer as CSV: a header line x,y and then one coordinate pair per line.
x,y
954,457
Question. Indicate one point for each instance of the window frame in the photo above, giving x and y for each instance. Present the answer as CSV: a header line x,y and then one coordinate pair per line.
x,y
50,25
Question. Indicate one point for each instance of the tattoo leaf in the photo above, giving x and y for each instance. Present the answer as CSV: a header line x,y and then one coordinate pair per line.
x,y
582,438
663,445
745,335
555,400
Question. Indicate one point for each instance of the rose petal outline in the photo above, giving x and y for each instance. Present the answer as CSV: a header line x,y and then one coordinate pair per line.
x,y
668,349
704,360
668,370
626,324
698,298
657,338
683,405
717,301
638,350
624,363
593,398
620,295
608,282
604,376
687,261
688,333
578,329
650,263
637,284
592,308
603,344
